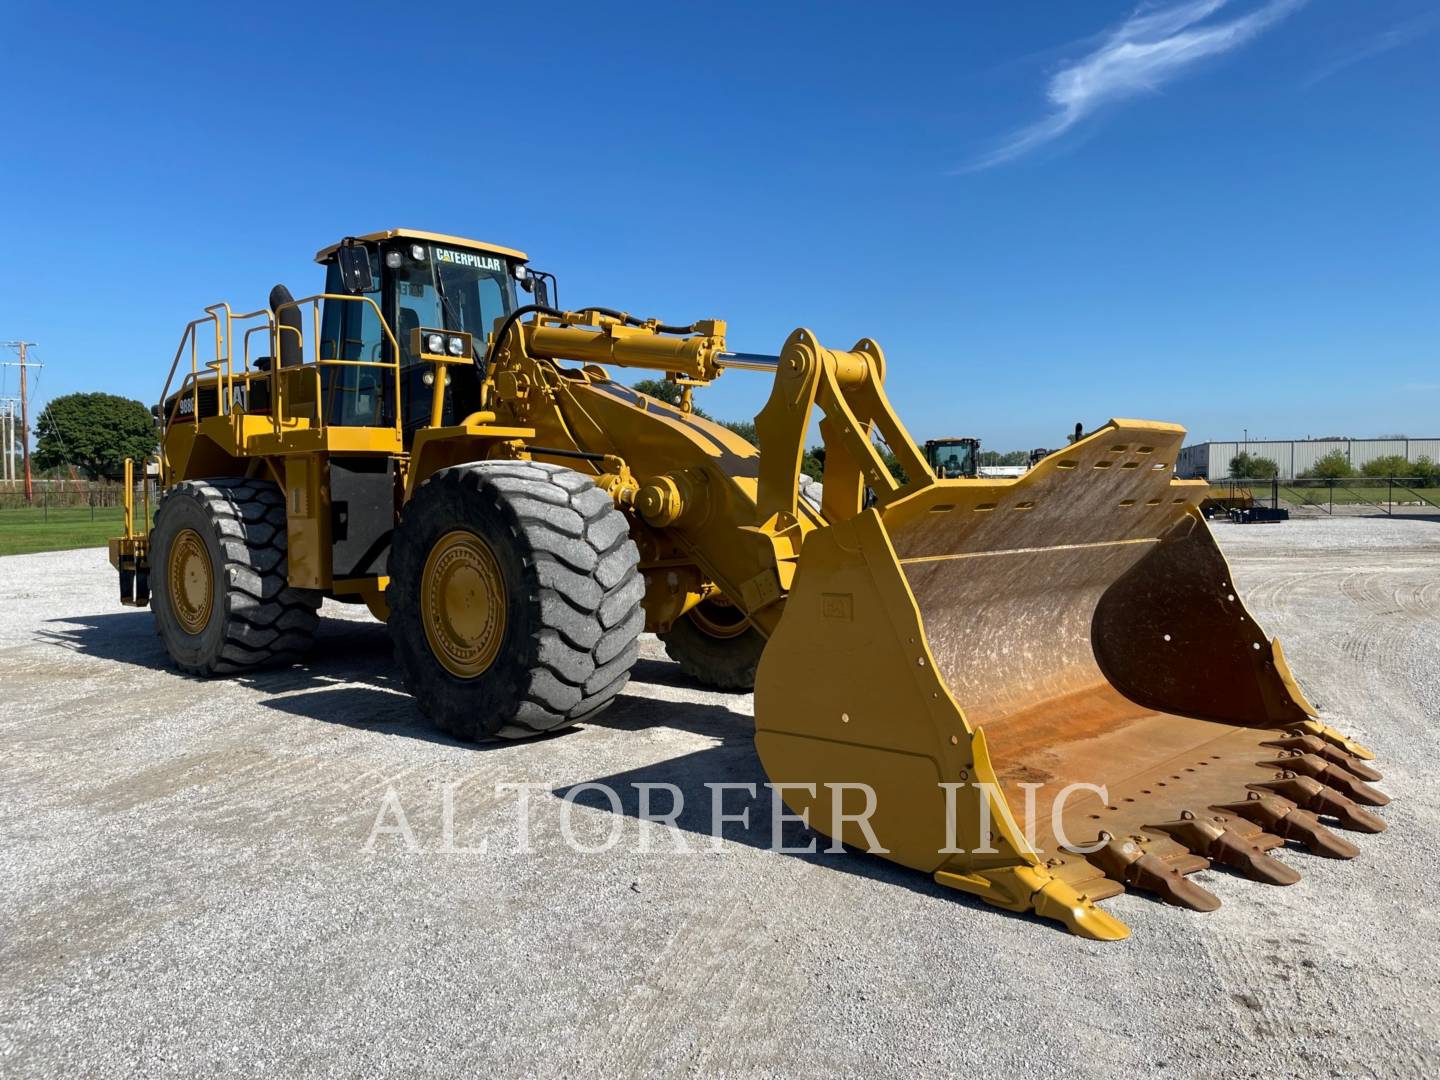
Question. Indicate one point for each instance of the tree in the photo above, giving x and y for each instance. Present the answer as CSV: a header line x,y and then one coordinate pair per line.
x,y
1245,466
1389,465
1333,466
94,432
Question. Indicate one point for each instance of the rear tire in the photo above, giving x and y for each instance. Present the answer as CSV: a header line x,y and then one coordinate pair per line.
x,y
220,595
514,599
716,646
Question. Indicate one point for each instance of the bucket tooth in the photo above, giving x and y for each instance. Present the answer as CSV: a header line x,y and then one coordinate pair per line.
x,y
1283,818
1313,744
1310,794
1317,768
1188,863
1214,839
1334,738
1034,888
1128,863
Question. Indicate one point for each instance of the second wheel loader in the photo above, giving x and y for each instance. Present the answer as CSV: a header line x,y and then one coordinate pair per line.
x,y
1042,691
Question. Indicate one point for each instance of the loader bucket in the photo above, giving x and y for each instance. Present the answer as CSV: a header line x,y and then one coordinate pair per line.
x,y
1052,691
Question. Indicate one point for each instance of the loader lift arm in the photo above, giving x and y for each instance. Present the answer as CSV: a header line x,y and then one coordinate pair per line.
x,y
747,536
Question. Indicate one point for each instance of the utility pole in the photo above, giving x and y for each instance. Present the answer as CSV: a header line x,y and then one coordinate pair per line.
x,y
24,415
7,437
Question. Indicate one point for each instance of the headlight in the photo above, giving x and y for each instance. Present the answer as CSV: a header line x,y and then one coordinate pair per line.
x,y
393,259
457,346
417,252
435,343
428,378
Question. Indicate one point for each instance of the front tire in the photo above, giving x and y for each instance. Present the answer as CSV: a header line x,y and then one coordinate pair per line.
x,y
514,599
715,645
219,591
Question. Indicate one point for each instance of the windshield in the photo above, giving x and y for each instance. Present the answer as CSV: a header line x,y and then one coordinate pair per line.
x,y
954,460
450,289
474,290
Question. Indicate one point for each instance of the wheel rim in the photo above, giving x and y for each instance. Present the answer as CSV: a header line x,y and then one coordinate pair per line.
x,y
462,604
192,581
719,618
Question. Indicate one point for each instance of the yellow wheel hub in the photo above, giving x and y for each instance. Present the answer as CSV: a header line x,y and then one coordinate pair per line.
x,y
192,581
719,618
462,604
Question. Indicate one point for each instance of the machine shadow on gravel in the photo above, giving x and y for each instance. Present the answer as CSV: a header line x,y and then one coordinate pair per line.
x,y
349,678
734,761
344,651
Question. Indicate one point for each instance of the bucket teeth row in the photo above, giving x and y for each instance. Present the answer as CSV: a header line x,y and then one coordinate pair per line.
x,y
1314,779
1313,744
1214,839
1128,863
1283,818
1310,794
1337,777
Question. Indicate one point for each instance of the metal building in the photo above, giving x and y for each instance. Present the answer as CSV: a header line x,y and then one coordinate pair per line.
x,y
1211,460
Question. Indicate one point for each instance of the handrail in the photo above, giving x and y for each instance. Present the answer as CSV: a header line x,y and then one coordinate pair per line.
x,y
314,302
127,501
223,362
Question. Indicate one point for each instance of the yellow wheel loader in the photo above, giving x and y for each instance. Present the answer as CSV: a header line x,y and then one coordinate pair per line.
x,y
1041,691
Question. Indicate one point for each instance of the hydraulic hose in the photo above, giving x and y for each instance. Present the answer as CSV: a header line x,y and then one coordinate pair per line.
x,y
511,320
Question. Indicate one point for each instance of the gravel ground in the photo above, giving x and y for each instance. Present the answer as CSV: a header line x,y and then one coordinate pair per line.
x,y
185,885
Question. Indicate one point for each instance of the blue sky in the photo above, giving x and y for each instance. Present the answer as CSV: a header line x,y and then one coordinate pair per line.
x,y
1221,214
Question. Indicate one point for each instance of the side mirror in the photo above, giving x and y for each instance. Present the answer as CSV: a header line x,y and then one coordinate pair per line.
x,y
356,274
539,284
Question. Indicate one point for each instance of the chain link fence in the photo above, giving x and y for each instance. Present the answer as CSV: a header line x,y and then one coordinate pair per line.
x,y
1388,495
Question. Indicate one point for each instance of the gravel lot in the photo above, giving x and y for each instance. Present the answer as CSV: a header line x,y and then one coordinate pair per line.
x,y
185,885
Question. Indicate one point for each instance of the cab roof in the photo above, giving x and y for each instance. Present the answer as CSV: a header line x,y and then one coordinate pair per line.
x,y
435,238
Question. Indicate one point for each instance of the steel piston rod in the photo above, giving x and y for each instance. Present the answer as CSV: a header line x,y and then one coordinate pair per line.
x,y
747,361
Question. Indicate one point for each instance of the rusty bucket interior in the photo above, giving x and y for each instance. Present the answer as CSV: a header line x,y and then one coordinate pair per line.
x,y
1053,690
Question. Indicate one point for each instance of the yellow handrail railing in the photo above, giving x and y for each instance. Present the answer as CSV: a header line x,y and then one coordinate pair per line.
x,y
226,377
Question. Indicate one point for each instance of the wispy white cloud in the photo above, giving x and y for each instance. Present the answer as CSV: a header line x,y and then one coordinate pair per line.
x,y
1393,38
1150,48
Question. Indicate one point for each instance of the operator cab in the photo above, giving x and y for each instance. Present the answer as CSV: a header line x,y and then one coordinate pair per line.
x,y
951,459
417,280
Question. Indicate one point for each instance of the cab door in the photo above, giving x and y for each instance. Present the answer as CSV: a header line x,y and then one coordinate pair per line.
x,y
350,330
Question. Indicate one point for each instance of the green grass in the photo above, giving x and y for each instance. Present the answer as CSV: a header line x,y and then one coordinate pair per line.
x,y
38,529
